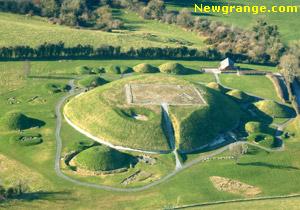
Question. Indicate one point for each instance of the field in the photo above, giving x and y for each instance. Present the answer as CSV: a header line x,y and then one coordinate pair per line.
x,y
257,85
35,164
138,33
245,20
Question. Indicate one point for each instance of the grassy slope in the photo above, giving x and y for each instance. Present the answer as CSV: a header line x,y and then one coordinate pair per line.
x,y
257,85
107,121
247,20
196,128
139,33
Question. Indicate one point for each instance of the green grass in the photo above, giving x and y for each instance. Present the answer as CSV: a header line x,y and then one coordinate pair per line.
x,y
196,128
138,33
274,110
275,173
102,158
245,20
258,85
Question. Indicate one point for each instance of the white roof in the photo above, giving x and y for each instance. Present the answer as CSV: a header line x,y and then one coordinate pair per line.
x,y
226,62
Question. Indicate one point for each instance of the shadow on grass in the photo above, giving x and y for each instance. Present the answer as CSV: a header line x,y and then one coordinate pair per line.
x,y
269,165
50,77
32,123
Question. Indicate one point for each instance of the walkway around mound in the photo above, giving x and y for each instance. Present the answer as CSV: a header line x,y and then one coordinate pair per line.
x,y
117,189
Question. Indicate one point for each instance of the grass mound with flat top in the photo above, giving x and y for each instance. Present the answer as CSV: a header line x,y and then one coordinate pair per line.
x,y
274,109
16,120
173,68
239,96
102,158
145,68
198,114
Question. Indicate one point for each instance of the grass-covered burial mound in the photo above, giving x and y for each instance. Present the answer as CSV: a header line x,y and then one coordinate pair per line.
x,y
274,109
16,120
128,113
102,158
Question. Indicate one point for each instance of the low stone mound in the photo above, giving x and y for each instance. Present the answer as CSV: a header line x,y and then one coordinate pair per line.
x,y
234,186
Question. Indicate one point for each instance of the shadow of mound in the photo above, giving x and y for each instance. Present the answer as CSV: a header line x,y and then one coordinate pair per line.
x,y
31,123
41,195
269,165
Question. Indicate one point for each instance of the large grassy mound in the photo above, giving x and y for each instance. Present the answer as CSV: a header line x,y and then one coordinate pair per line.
x,y
104,113
101,158
15,120
274,109
239,96
173,68
145,68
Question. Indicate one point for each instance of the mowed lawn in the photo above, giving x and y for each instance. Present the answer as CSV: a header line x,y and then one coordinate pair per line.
x,y
257,85
24,30
287,22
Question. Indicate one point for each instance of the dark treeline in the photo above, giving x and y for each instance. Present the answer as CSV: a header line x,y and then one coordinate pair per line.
x,y
59,50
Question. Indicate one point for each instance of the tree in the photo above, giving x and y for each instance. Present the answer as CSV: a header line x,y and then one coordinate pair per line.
x,y
185,18
155,9
50,8
237,150
289,65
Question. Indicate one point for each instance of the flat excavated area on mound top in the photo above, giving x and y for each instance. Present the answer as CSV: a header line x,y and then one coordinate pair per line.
x,y
156,94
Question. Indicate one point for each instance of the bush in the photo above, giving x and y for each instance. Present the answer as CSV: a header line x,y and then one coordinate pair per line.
x,y
83,70
173,68
92,81
102,158
27,139
145,68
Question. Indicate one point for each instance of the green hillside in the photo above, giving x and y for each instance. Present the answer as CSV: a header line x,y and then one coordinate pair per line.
x,y
138,33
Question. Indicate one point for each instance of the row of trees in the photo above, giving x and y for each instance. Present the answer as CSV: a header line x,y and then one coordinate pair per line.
x,y
59,50
16,190
83,13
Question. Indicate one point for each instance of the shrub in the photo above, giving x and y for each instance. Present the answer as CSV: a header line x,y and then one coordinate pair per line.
x,y
27,139
57,88
92,81
173,68
83,70
145,68
102,158
16,121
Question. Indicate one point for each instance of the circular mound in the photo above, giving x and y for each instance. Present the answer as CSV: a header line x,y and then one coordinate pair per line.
x,y
216,86
27,139
239,96
17,121
92,81
83,70
172,68
101,158
274,109
113,113
145,68
253,127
